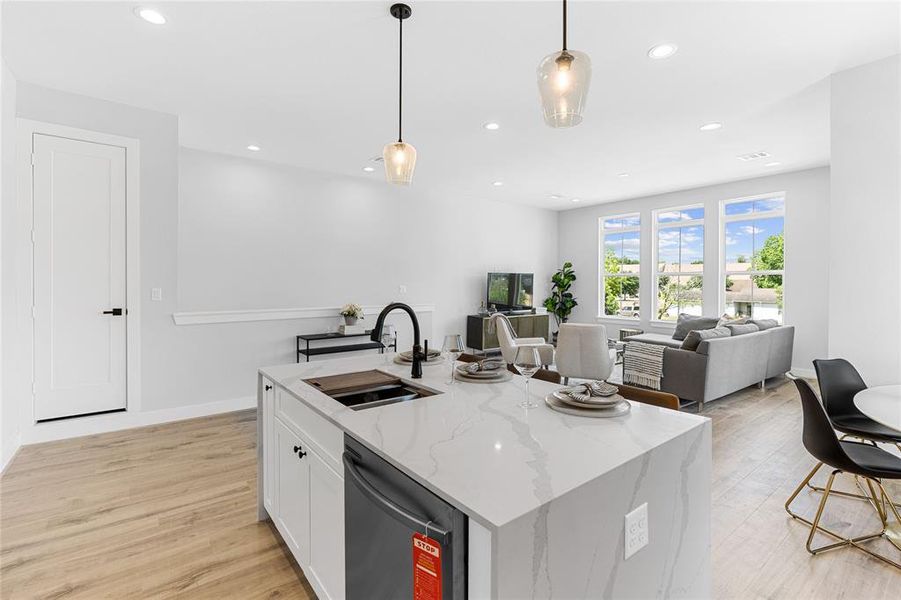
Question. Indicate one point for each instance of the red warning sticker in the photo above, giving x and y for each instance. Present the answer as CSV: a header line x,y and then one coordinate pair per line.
x,y
426,568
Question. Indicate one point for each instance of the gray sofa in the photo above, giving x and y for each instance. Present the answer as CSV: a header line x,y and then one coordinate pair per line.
x,y
721,366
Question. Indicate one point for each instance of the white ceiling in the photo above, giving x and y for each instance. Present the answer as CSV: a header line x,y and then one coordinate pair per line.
x,y
314,84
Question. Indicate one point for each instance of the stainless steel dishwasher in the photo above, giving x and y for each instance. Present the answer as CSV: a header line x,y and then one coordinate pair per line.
x,y
384,510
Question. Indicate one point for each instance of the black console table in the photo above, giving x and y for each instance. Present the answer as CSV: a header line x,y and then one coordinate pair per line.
x,y
315,337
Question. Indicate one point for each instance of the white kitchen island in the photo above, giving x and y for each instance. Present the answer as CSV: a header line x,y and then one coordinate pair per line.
x,y
545,493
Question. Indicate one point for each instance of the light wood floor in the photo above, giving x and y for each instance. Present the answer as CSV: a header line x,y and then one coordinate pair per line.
x,y
170,512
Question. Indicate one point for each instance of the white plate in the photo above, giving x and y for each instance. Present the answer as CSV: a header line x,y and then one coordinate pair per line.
x,y
461,369
618,410
594,402
501,377
425,363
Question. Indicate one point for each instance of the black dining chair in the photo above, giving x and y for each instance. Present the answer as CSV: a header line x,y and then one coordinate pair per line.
x,y
839,382
863,461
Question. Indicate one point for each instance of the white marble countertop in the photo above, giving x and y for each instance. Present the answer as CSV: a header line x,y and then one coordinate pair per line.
x,y
472,444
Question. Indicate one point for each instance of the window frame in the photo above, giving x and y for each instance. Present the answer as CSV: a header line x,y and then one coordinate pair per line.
x,y
602,272
722,273
656,226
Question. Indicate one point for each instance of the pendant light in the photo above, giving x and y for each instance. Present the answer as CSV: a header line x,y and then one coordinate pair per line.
x,y
563,79
400,157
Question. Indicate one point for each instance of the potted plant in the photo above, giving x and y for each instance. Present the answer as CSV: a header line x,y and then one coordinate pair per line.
x,y
351,312
561,302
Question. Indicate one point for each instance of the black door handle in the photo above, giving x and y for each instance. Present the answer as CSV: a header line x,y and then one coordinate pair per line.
x,y
116,312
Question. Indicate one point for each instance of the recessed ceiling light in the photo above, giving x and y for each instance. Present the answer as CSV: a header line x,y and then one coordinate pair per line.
x,y
151,16
775,163
555,196
662,50
576,200
753,156
498,183
712,126
253,148
622,175
369,169
492,126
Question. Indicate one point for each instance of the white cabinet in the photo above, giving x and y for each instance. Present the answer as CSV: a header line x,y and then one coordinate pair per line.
x,y
269,472
326,527
293,513
302,486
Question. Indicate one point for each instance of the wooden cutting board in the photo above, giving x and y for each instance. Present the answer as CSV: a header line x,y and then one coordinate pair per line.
x,y
349,382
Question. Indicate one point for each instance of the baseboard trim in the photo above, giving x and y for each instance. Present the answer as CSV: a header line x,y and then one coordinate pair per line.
x,y
81,426
274,314
802,372
10,452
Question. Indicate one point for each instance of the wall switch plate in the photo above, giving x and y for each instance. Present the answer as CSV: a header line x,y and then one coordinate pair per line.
x,y
156,294
636,531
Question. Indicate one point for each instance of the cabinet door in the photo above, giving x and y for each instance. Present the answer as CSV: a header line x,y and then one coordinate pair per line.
x,y
293,492
270,465
326,527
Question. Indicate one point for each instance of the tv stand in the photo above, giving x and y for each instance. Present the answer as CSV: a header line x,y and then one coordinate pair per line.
x,y
525,325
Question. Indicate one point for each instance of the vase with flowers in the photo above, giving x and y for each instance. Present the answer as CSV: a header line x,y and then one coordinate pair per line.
x,y
351,313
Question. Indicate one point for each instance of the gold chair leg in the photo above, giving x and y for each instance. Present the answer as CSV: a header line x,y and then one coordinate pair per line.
x,y
892,530
855,542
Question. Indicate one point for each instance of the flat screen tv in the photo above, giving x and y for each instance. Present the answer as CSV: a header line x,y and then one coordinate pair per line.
x,y
510,291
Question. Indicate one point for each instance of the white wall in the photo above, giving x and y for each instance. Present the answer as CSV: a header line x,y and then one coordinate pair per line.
x,y
258,235
9,403
806,246
865,221
226,233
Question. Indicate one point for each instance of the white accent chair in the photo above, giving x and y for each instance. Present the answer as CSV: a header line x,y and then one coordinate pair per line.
x,y
583,352
508,341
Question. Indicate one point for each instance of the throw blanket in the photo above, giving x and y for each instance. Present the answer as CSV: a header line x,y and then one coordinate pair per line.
x,y
643,364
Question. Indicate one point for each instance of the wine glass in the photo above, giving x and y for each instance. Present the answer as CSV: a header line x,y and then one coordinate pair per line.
x,y
527,362
453,347
387,340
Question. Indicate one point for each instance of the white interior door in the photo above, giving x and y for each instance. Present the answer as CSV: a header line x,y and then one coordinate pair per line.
x,y
79,277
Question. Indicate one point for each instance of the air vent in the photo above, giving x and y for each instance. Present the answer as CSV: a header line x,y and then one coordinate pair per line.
x,y
753,156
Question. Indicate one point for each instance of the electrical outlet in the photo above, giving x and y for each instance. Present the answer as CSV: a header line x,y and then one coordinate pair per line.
x,y
636,530
402,289
156,294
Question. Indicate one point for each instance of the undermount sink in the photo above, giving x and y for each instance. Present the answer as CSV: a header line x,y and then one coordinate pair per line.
x,y
368,389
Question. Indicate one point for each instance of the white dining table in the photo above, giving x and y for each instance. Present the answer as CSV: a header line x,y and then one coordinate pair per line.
x,y
881,403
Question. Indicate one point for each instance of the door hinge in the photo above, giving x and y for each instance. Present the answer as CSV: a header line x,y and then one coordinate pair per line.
x,y
34,312
33,236
32,159
34,388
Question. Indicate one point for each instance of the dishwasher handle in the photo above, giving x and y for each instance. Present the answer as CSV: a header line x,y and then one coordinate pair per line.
x,y
398,512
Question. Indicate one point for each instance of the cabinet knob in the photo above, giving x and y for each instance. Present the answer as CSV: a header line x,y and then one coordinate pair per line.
x,y
299,452
267,387
297,449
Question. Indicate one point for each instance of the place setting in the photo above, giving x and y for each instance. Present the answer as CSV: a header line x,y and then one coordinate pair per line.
x,y
597,399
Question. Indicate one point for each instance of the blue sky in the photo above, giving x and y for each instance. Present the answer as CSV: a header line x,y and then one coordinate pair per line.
x,y
744,238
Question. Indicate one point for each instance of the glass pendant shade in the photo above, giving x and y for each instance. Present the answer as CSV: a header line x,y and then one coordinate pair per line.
x,y
563,79
400,160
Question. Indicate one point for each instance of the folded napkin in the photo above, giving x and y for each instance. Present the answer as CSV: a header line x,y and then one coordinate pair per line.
x,y
585,391
484,365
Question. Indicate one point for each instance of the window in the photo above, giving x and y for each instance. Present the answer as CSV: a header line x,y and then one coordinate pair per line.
x,y
619,266
680,262
753,269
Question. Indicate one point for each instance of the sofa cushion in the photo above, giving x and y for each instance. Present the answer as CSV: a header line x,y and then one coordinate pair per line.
x,y
696,336
742,329
688,323
654,338
764,324
726,319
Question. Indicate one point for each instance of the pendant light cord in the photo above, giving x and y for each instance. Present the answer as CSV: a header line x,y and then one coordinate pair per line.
x,y
400,83
564,25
